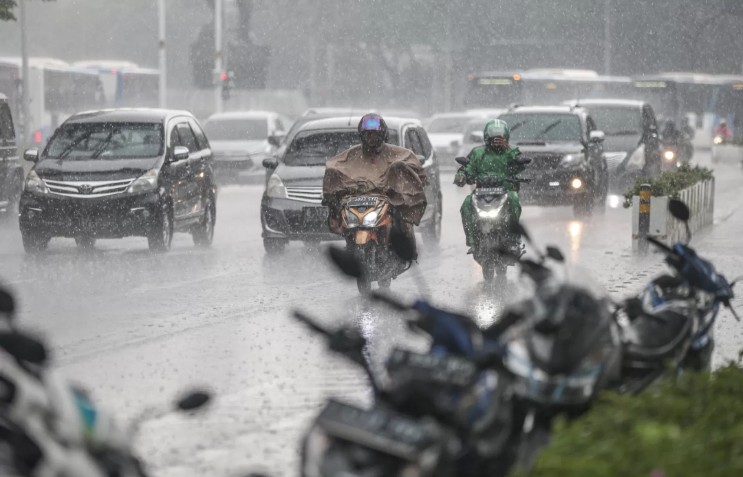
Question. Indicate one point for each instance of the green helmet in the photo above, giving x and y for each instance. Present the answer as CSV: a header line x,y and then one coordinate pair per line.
x,y
494,128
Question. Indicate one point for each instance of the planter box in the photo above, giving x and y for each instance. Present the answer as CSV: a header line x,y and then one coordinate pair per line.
x,y
701,201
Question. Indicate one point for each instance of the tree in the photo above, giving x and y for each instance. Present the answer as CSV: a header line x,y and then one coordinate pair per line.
x,y
6,10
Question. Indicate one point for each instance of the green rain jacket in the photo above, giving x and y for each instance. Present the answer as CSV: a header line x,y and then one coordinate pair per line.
x,y
484,163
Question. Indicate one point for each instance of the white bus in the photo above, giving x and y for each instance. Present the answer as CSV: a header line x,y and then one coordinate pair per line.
x,y
126,84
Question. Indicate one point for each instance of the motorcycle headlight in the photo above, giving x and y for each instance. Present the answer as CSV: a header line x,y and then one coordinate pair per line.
x,y
370,219
351,219
275,188
490,213
717,140
669,155
145,183
570,161
35,184
637,160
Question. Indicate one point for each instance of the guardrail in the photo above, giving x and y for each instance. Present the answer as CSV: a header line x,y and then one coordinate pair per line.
x,y
661,225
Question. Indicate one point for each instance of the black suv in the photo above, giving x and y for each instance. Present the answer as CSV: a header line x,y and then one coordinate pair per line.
x,y
291,210
632,145
121,172
11,171
568,165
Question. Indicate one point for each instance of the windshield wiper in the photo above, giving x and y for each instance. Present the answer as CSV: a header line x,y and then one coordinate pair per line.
x,y
626,132
68,149
549,128
518,125
103,145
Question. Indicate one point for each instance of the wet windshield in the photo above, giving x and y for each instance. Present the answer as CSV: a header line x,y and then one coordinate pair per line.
x,y
236,129
618,121
543,127
314,148
83,141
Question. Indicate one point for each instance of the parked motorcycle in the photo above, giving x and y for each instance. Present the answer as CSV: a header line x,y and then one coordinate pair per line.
x,y
672,320
494,224
367,223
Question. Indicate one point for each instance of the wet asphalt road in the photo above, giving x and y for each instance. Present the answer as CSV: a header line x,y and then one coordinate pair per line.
x,y
137,328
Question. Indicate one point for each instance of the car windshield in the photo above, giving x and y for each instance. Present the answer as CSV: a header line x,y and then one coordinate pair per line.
x,y
314,148
236,129
618,121
447,124
83,141
544,127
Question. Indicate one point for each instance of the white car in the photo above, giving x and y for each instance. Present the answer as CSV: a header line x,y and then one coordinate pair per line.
x,y
241,140
445,131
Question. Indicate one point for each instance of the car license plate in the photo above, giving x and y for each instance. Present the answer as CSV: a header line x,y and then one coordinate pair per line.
x,y
442,370
377,428
490,191
315,216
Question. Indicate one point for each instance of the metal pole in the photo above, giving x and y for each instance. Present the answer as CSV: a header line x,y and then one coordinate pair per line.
x,y
218,55
163,87
24,73
607,37
643,228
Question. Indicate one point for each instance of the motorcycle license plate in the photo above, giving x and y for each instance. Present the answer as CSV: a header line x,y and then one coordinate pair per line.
x,y
490,191
362,202
377,428
315,216
443,370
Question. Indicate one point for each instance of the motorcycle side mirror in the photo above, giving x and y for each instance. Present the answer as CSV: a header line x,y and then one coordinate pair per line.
x,y
346,262
402,245
462,161
522,161
679,210
193,400
555,254
23,347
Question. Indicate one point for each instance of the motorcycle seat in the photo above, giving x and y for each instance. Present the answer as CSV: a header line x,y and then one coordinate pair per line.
x,y
656,337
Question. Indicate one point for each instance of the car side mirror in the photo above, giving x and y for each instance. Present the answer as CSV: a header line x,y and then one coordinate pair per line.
x,y
270,163
421,158
462,161
179,153
276,139
31,155
597,136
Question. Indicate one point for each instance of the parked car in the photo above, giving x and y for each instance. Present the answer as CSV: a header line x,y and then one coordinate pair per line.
x,y
121,172
241,140
632,145
11,171
290,208
568,165
445,132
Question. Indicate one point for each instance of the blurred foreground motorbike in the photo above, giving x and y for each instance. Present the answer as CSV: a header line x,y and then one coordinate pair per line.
x,y
49,428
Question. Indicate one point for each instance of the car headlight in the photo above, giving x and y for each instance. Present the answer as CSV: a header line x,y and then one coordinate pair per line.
x,y
145,183
570,161
351,219
576,183
370,219
275,188
669,155
637,160
35,184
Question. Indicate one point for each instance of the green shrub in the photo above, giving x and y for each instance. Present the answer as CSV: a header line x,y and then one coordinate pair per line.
x,y
692,426
669,183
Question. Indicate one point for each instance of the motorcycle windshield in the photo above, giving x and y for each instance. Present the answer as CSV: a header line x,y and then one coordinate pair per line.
x,y
702,274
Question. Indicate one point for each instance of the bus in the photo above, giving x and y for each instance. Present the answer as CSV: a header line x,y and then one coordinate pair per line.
x,y
56,91
542,86
126,84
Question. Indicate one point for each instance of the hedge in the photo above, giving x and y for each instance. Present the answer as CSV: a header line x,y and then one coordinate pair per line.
x,y
669,183
691,426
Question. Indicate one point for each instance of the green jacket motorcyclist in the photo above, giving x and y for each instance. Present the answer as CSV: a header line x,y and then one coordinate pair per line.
x,y
495,158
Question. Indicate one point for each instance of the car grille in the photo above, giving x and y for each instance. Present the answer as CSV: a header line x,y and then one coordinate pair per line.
x,y
312,195
88,189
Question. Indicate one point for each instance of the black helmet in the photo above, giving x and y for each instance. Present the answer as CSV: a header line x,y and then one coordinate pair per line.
x,y
372,126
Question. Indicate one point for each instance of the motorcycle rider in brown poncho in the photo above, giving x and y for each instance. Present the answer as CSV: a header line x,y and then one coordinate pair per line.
x,y
377,167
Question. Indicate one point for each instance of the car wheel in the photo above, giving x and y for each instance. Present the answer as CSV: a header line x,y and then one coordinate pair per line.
x,y
203,232
161,230
85,242
274,247
432,232
33,243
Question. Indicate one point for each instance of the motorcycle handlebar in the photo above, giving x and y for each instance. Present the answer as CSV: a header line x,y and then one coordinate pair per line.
x,y
665,248
310,323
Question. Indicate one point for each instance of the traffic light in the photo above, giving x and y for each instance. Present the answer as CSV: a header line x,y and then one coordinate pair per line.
x,y
227,82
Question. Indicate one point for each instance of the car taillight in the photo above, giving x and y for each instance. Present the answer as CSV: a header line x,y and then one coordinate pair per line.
x,y
38,137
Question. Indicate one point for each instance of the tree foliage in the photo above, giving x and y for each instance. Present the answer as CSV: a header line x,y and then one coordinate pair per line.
x,y
6,10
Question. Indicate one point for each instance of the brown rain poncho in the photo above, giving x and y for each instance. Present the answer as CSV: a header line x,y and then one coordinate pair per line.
x,y
395,172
